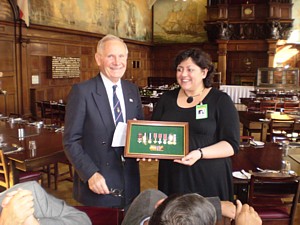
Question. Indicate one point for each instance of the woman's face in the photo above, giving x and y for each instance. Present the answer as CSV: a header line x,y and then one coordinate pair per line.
x,y
190,76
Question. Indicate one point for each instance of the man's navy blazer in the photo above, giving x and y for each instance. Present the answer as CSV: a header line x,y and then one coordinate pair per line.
x,y
88,134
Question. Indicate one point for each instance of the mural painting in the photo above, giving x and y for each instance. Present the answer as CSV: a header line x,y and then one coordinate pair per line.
x,y
125,18
174,21
6,11
179,21
295,34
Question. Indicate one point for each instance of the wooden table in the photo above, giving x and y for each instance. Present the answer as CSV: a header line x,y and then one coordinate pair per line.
x,y
49,148
257,122
267,157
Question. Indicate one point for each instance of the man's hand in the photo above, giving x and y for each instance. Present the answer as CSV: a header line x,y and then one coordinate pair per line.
x,y
18,206
97,184
228,209
8,197
246,215
31,220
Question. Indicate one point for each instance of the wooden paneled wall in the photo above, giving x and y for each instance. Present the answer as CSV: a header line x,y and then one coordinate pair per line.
x,y
20,60
8,64
242,66
163,57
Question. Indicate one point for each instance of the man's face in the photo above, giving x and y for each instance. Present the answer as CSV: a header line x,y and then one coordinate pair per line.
x,y
112,60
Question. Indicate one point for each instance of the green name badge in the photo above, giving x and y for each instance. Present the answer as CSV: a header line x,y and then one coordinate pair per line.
x,y
201,111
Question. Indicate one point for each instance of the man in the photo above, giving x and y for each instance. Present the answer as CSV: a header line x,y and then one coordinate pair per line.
x,y
246,215
145,204
187,209
103,177
153,207
29,204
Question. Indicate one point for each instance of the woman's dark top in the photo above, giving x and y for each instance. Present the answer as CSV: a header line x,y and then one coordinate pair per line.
x,y
208,177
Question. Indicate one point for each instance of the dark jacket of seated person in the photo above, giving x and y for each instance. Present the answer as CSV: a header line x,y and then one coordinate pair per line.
x,y
28,204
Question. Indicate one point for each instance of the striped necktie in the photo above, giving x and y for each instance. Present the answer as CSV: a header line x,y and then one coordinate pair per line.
x,y
117,106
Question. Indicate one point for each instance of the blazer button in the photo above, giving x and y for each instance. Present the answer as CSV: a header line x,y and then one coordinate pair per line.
x,y
103,143
107,164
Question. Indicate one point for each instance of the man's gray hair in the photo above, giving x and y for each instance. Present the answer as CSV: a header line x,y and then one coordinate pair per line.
x,y
109,37
187,209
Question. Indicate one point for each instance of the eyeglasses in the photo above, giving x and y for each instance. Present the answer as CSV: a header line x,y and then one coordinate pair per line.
x,y
116,192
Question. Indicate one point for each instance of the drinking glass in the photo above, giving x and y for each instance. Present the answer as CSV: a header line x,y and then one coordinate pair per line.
x,y
32,148
285,166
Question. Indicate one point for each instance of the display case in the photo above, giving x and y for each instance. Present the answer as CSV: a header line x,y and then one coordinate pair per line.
x,y
287,78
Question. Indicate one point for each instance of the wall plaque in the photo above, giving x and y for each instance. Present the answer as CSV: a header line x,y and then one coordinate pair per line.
x,y
65,67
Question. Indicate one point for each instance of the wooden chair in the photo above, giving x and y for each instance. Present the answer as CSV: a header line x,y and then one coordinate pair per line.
x,y
57,114
291,106
266,105
46,114
280,127
253,106
274,198
52,112
103,216
4,175
55,171
252,125
23,176
245,141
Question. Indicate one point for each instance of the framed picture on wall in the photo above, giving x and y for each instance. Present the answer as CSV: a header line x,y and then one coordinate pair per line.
x,y
156,139
248,11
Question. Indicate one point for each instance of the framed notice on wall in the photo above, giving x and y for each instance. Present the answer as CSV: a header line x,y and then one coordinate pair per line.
x,y
156,139
64,67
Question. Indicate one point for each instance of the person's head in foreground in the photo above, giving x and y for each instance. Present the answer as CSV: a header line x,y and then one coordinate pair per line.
x,y
185,209
153,207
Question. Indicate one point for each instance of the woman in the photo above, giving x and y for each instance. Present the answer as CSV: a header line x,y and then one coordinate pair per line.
x,y
213,130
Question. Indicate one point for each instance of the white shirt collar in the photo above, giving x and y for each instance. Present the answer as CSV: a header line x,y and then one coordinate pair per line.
x,y
108,83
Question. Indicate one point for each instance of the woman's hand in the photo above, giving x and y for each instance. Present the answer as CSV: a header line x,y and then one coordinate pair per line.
x,y
190,158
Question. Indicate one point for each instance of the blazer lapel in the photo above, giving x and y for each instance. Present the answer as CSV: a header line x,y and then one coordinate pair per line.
x,y
101,100
129,99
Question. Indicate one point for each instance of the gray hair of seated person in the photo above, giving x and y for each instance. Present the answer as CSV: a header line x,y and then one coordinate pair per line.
x,y
187,209
201,59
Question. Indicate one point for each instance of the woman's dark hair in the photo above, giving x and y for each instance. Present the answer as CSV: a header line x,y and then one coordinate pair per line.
x,y
201,59
187,209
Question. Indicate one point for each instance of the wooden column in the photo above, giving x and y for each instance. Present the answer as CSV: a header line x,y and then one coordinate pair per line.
x,y
222,56
271,51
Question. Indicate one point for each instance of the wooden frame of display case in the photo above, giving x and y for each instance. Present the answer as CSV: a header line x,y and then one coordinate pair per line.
x,y
278,77
156,139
